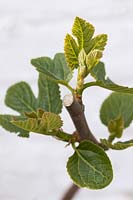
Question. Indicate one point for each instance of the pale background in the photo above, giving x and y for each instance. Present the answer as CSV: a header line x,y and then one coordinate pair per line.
x,y
34,169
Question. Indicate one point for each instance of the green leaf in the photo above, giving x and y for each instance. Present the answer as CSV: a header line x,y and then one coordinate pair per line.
x,y
20,98
73,170
5,122
118,145
71,52
99,42
55,69
47,124
49,95
24,134
117,104
83,31
89,166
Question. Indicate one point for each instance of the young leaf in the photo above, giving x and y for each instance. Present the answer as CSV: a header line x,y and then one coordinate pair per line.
x,y
93,58
83,31
20,98
47,124
98,42
71,52
117,104
5,122
116,126
118,145
31,125
82,58
89,166
93,47
49,95
51,121
55,69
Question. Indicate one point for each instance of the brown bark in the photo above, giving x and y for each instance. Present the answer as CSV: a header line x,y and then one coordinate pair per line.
x,y
70,193
75,108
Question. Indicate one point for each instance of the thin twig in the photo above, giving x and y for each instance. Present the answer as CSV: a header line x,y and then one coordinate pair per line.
x,y
70,192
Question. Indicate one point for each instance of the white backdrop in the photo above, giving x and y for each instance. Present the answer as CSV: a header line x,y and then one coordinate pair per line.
x,y
34,169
